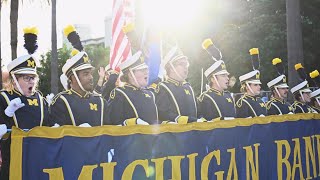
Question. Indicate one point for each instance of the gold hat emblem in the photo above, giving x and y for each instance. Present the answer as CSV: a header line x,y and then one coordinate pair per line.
x,y
284,79
223,66
258,76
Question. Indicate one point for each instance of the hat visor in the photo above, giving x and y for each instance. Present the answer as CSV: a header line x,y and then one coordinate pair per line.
x,y
84,66
306,90
282,86
254,82
140,66
221,72
25,71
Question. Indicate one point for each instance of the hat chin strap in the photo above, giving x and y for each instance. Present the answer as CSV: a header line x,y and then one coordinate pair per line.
x,y
175,71
276,88
302,96
17,84
215,78
134,77
78,81
247,84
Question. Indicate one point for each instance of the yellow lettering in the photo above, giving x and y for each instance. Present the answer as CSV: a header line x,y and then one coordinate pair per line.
x,y
187,91
206,161
232,166
86,172
310,152
192,165
54,173
33,102
176,168
297,154
108,170
249,162
93,107
318,148
128,171
283,160
30,63
159,167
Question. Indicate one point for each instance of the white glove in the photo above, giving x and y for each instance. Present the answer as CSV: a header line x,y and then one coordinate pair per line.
x,y
85,125
14,105
262,115
290,113
141,122
55,125
201,120
228,118
49,98
3,130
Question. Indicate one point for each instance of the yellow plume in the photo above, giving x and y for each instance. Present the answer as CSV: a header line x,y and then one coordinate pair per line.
x,y
206,43
276,61
68,29
74,52
314,74
254,51
128,28
298,66
31,30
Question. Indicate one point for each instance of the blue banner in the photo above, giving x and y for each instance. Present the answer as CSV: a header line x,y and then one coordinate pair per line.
x,y
274,147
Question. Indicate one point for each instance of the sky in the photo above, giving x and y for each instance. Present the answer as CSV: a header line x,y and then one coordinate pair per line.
x,y
38,13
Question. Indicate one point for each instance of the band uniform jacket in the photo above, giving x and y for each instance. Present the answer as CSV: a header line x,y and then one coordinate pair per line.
x,y
129,102
315,109
278,107
175,99
34,113
107,87
214,104
249,106
300,107
71,108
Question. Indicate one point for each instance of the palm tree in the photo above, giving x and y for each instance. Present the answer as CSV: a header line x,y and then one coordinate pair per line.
x,y
54,53
294,39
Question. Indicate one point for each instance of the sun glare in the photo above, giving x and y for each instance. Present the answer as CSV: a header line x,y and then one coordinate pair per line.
x,y
170,14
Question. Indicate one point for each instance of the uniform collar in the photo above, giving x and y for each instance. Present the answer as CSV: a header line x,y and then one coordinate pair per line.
x,y
250,97
279,100
130,86
78,94
175,82
216,91
298,102
16,92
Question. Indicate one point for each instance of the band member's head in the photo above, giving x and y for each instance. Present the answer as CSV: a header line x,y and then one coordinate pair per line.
x,y
250,83
135,71
23,73
78,68
301,91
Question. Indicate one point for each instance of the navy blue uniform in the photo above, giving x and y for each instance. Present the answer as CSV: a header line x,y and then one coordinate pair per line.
x,y
278,107
300,107
175,99
248,106
71,108
107,87
130,102
34,113
316,109
213,104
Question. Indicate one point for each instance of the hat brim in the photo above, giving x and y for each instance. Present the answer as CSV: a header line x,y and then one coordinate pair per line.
x,y
139,67
306,90
254,82
84,66
25,71
222,72
284,85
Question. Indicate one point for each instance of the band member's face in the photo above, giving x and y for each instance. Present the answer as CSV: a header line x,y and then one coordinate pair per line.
x,y
283,92
27,83
223,80
181,66
306,97
256,88
86,79
141,76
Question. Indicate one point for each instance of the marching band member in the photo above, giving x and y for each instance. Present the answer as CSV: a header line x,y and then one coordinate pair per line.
x,y
132,103
108,79
175,97
250,104
279,89
22,105
301,92
315,95
78,106
216,102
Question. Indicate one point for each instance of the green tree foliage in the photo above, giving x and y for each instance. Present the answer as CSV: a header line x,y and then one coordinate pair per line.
x,y
97,53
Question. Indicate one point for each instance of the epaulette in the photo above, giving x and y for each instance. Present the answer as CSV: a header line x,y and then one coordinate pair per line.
x,y
54,99
153,86
239,102
113,93
200,98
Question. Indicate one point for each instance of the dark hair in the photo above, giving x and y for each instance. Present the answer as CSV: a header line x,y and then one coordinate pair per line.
x,y
125,77
297,96
313,101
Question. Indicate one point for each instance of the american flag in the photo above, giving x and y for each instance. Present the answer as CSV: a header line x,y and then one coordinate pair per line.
x,y
122,14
